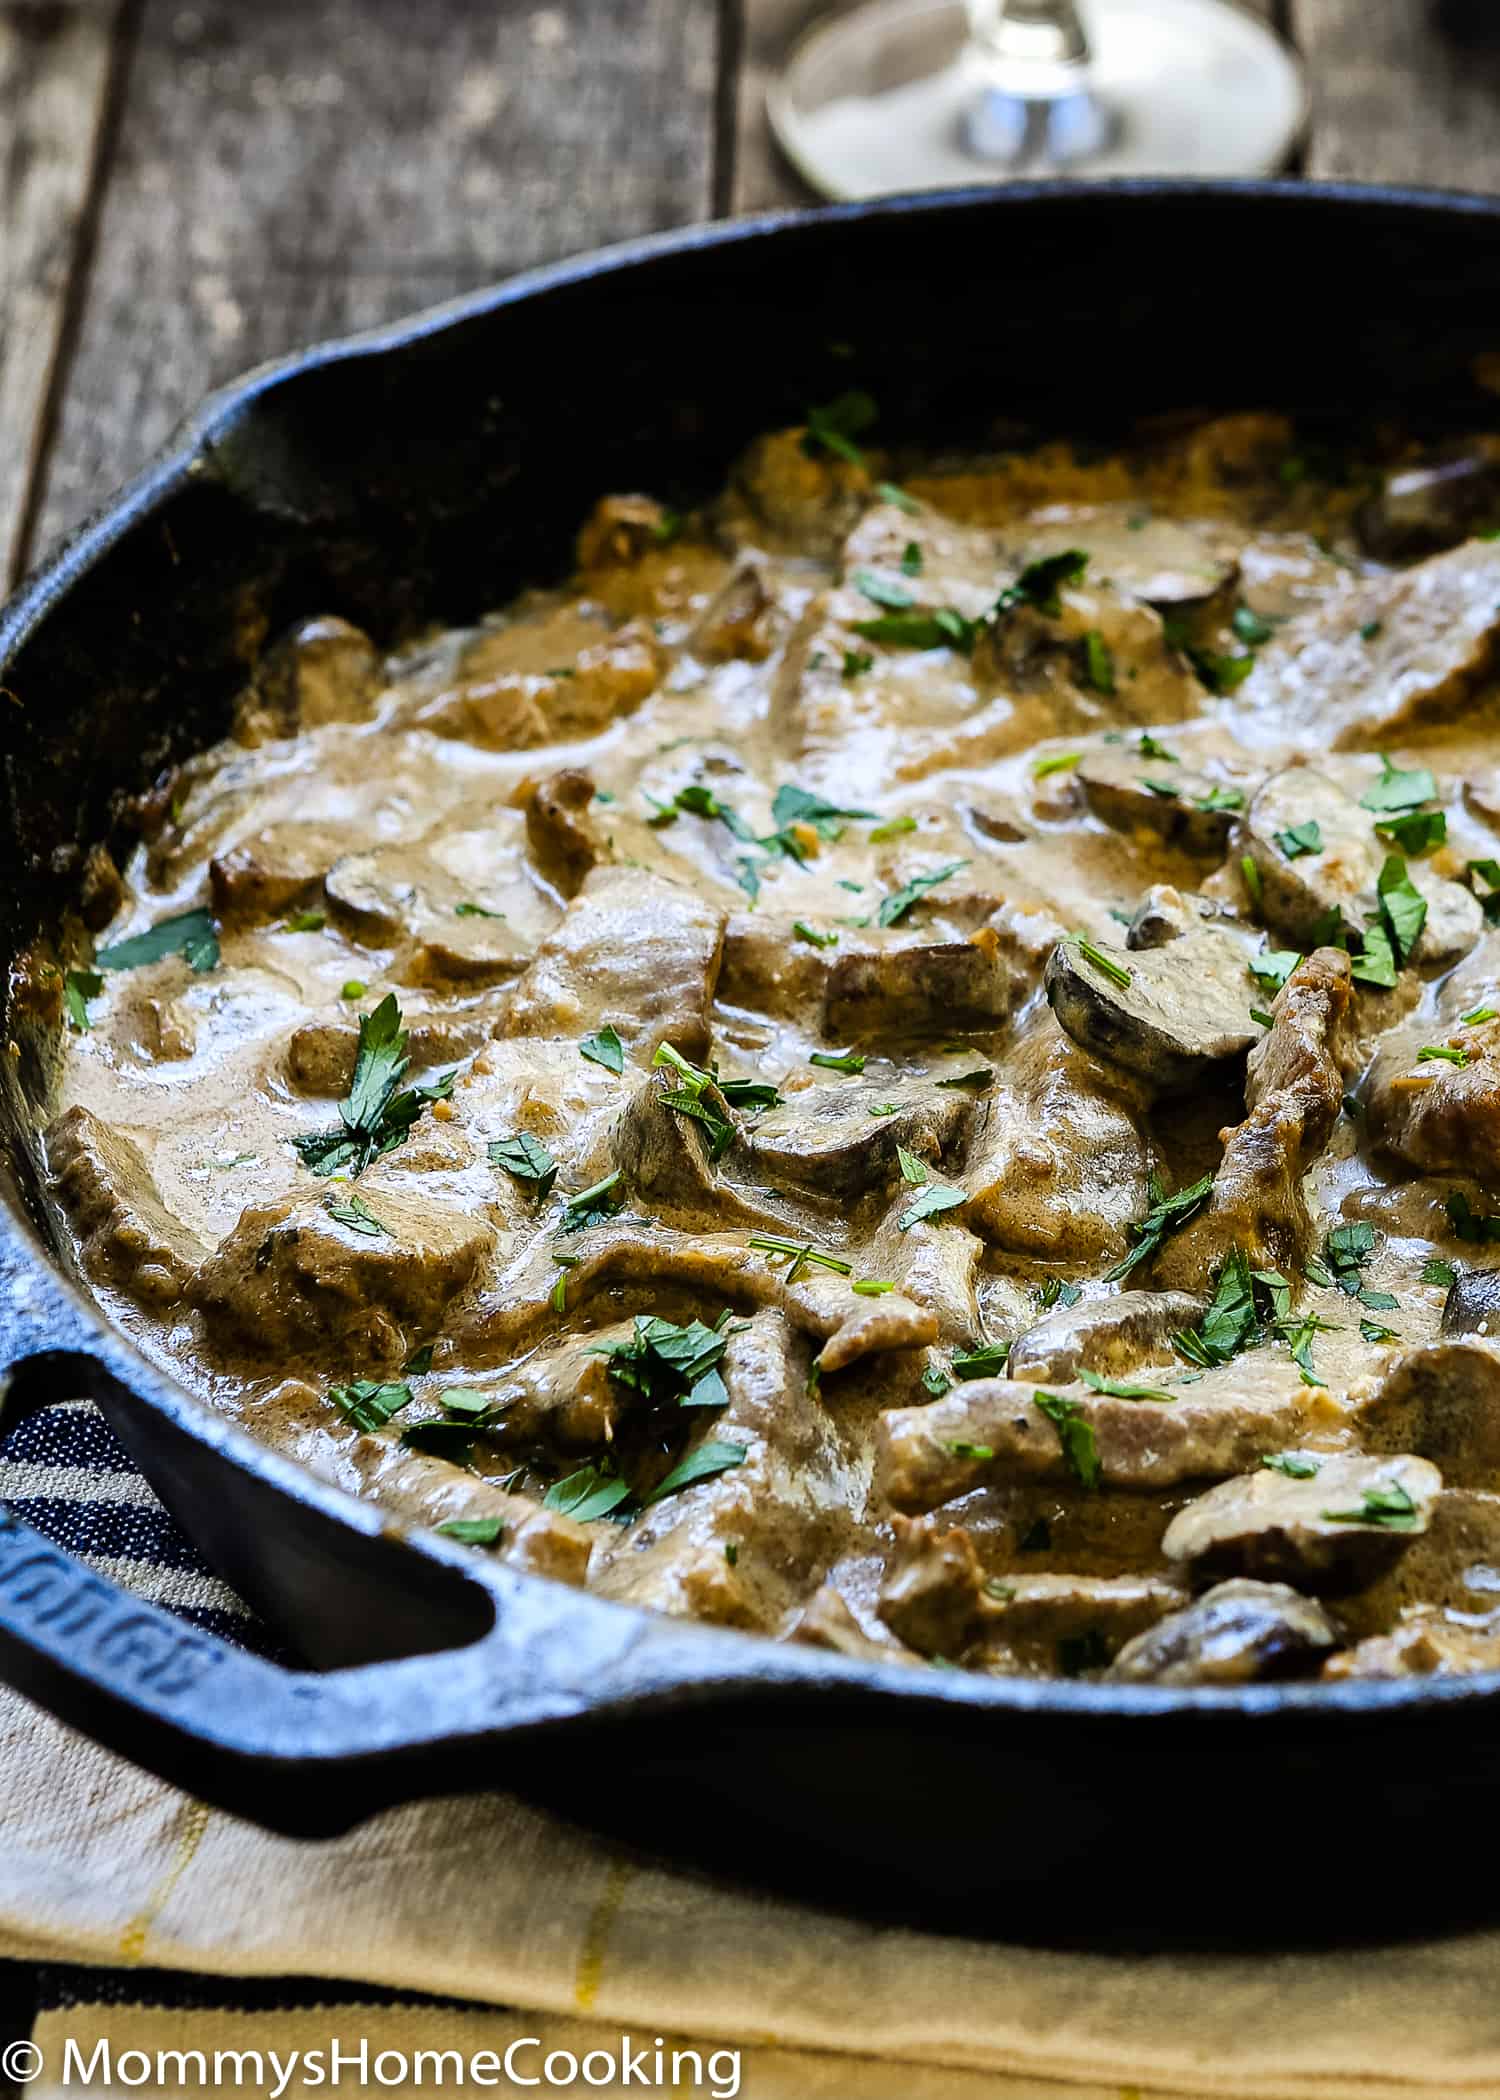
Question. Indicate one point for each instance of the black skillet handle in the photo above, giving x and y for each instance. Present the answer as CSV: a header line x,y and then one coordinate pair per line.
x,y
513,1661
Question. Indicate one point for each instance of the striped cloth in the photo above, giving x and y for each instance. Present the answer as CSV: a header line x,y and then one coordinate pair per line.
x,y
150,1944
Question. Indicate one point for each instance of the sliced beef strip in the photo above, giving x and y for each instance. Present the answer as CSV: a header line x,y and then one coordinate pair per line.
x,y
323,671
1301,892
767,970
829,1140
827,1622
743,619
635,953
1183,1015
929,1596
930,1455
462,906
664,1157
409,1484
1434,1115
278,871
1239,1632
1423,506
1425,1642
882,989
320,1055
1294,1091
1193,810
1441,1401
129,1239
1110,1336
291,1278
545,678
785,1509
1037,656
1067,1622
1274,1528
1433,641
630,1255
1059,1169
563,837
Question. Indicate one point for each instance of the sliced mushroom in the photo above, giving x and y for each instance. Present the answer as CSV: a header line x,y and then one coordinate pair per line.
x,y
1426,1641
1441,1401
1333,1530
1188,809
1472,1305
1166,914
1183,1010
1423,508
1236,1633
1160,560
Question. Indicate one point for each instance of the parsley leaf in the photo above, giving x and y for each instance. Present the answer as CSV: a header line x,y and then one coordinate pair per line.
x,y
593,1491
190,934
1298,839
669,1365
796,805
1250,627
913,1169
1487,872
838,1060
705,1463
1055,762
79,986
943,629
1417,832
1403,908
1478,1228
894,907
1167,1214
525,1158
895,596
604,1048
811,935
930,1204
1098,664
1273,966
1390,1507
1119,1389
358,1216
1230,1320
1398,789
1442,1273
591,1205
1040,581
834,427
369,1405
1075,1435
376,1117
989,1361
473,1531
1291,1464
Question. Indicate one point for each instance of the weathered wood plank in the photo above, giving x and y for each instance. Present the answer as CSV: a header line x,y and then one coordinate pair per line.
x,y
1404,90
54,65
287,171
761,179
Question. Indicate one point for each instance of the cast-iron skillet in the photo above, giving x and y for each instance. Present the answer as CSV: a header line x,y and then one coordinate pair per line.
x,y
427,471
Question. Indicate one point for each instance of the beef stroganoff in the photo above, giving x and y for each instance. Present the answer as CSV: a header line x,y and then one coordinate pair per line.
x,y
911,1061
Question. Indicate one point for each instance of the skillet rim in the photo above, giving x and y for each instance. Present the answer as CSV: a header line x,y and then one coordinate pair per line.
x,y
25,1261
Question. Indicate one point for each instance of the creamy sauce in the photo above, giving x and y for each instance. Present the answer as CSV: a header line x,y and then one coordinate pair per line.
x,y
564,825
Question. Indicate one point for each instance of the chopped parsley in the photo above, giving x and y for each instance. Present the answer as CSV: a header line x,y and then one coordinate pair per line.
x,y
1487,872
1398,788
525,1158
1221,674
893,828
1120,1389
354,1212
1055,1292
943,629
1220,798
368,1405
1478,1228
700,801
379,1113
1298,839
705,1463
305,922
856,663
804,932
190,934
1230,1320
1417,832
981,1452
1442,1273
473,1531
871,1287
988,1361
591,1492
911,559
838,1060
1445,1053
1106,965
1347,1252
1390,1507
750,1093
1476,1014
834,427
1252,879
894,596
1250,627
913,1169
1075,1436
981,1077
466,910
1403,908
1273,966
1168,1214
1372,1331
79,986
798,1255
936,1381
1098,664
591,1205
893,908
1148,747
1055,762
604,1048
892,492
1164,788
1371,630
668,1365
1040,581
932,1202
1291,1463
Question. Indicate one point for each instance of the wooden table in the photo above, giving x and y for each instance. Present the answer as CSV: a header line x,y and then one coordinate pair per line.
x,y
191,186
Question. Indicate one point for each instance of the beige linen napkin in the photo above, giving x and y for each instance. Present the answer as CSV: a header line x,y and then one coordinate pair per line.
x,y
490,1900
